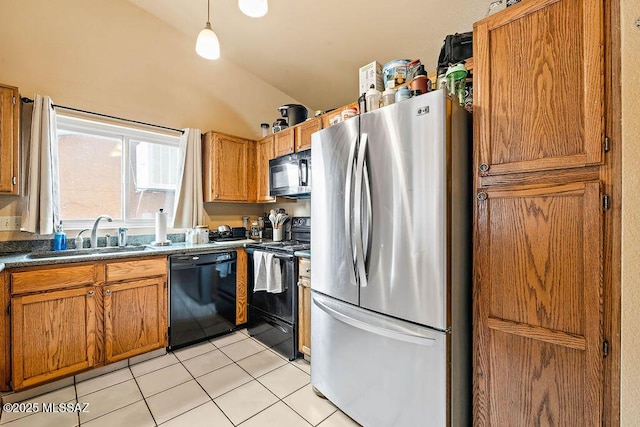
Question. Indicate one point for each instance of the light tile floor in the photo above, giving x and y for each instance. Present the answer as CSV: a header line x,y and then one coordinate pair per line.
x,y
229,381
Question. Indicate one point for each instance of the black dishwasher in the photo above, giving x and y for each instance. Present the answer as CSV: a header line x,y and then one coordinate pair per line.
x,y
202,296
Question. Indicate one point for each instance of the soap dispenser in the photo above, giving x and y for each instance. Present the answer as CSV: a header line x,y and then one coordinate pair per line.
x,y
59,239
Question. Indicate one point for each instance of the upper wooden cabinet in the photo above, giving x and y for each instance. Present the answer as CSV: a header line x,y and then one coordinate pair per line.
x,y
539,86
264,153
228,168
284,142
9,146
304,131
296,138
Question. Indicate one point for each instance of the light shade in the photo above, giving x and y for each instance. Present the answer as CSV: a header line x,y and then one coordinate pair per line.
x,y
207,44
254,8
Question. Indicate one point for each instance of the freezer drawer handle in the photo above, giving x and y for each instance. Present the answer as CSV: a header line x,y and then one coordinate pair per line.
x,y
356,323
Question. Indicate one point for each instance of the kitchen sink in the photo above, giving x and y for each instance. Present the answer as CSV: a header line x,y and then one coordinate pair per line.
x,y
88,251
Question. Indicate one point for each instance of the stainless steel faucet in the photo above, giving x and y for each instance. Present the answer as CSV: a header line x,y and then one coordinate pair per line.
x,y
94,231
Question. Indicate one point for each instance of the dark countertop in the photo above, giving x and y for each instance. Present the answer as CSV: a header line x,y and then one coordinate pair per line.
x,y
23,260
303,254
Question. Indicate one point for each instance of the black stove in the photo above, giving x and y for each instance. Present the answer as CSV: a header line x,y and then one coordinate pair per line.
x,y
273,316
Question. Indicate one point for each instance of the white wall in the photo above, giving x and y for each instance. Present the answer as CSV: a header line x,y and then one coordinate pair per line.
x,y
111,57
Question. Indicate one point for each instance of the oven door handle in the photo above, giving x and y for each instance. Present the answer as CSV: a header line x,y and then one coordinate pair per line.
x,y
275,254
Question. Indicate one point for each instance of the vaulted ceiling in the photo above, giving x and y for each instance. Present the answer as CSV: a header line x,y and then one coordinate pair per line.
x,y
312,50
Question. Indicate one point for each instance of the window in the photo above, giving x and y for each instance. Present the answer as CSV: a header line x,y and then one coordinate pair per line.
x,y
126,173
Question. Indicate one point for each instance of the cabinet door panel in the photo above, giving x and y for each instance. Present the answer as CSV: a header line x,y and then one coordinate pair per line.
x,y
9,122
230,169
241,287
135,316
304,131
538,101
538,304
54,335
304,316
264,153
284,142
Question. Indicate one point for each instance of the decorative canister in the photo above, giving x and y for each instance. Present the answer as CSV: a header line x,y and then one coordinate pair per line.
x,y
202,233
394,73
348,113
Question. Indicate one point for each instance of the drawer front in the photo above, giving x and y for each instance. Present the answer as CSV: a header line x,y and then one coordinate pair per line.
x,y
46,279
136,269
304,267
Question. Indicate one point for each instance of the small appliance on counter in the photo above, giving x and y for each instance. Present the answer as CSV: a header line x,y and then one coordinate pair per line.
x,y
279,124
296,113
225,233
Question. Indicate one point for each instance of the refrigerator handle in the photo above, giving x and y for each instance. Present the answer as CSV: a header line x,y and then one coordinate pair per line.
x,y
368,225
360,171
373,328
348,203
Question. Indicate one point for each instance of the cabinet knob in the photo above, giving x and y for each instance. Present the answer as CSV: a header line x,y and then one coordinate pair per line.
x,y
107,292
482,196
217,196
90,293
484,167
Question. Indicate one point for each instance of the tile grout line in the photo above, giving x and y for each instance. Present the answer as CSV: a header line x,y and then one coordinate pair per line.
x,y
203,389
142,394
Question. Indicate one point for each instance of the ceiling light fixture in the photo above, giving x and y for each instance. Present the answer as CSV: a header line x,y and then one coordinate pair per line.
x,y
207,44
254,8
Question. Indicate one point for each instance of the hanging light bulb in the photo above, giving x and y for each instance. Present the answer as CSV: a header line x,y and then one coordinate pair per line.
x,y
207,44
254,8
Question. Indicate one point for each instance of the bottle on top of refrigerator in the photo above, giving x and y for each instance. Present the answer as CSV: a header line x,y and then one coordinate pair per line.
x,y
373,98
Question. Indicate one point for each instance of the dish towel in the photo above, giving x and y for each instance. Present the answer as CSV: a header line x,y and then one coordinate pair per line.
x,y
259,271
224,269
274,275
267,275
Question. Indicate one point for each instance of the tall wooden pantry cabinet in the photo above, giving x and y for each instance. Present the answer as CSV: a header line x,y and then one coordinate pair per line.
x,y
543,196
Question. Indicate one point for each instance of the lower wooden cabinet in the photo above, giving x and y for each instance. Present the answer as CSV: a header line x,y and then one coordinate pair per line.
x,y
304,306
134,318
107,312
53,335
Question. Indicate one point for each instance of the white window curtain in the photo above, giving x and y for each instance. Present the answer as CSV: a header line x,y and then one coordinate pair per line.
x,y
41,206
189,205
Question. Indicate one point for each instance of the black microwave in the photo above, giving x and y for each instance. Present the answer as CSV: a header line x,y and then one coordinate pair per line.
x,y
290,175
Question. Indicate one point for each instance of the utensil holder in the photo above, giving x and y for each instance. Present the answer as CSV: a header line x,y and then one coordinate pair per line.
x,y
277,234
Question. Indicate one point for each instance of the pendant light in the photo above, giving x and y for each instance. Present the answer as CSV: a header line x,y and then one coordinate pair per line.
x,y
254,8
207,44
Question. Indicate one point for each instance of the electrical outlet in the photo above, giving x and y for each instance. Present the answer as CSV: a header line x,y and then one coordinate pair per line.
x,y
10,223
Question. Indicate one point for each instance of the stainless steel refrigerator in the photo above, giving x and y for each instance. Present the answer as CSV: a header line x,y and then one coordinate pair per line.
x,y
391,204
